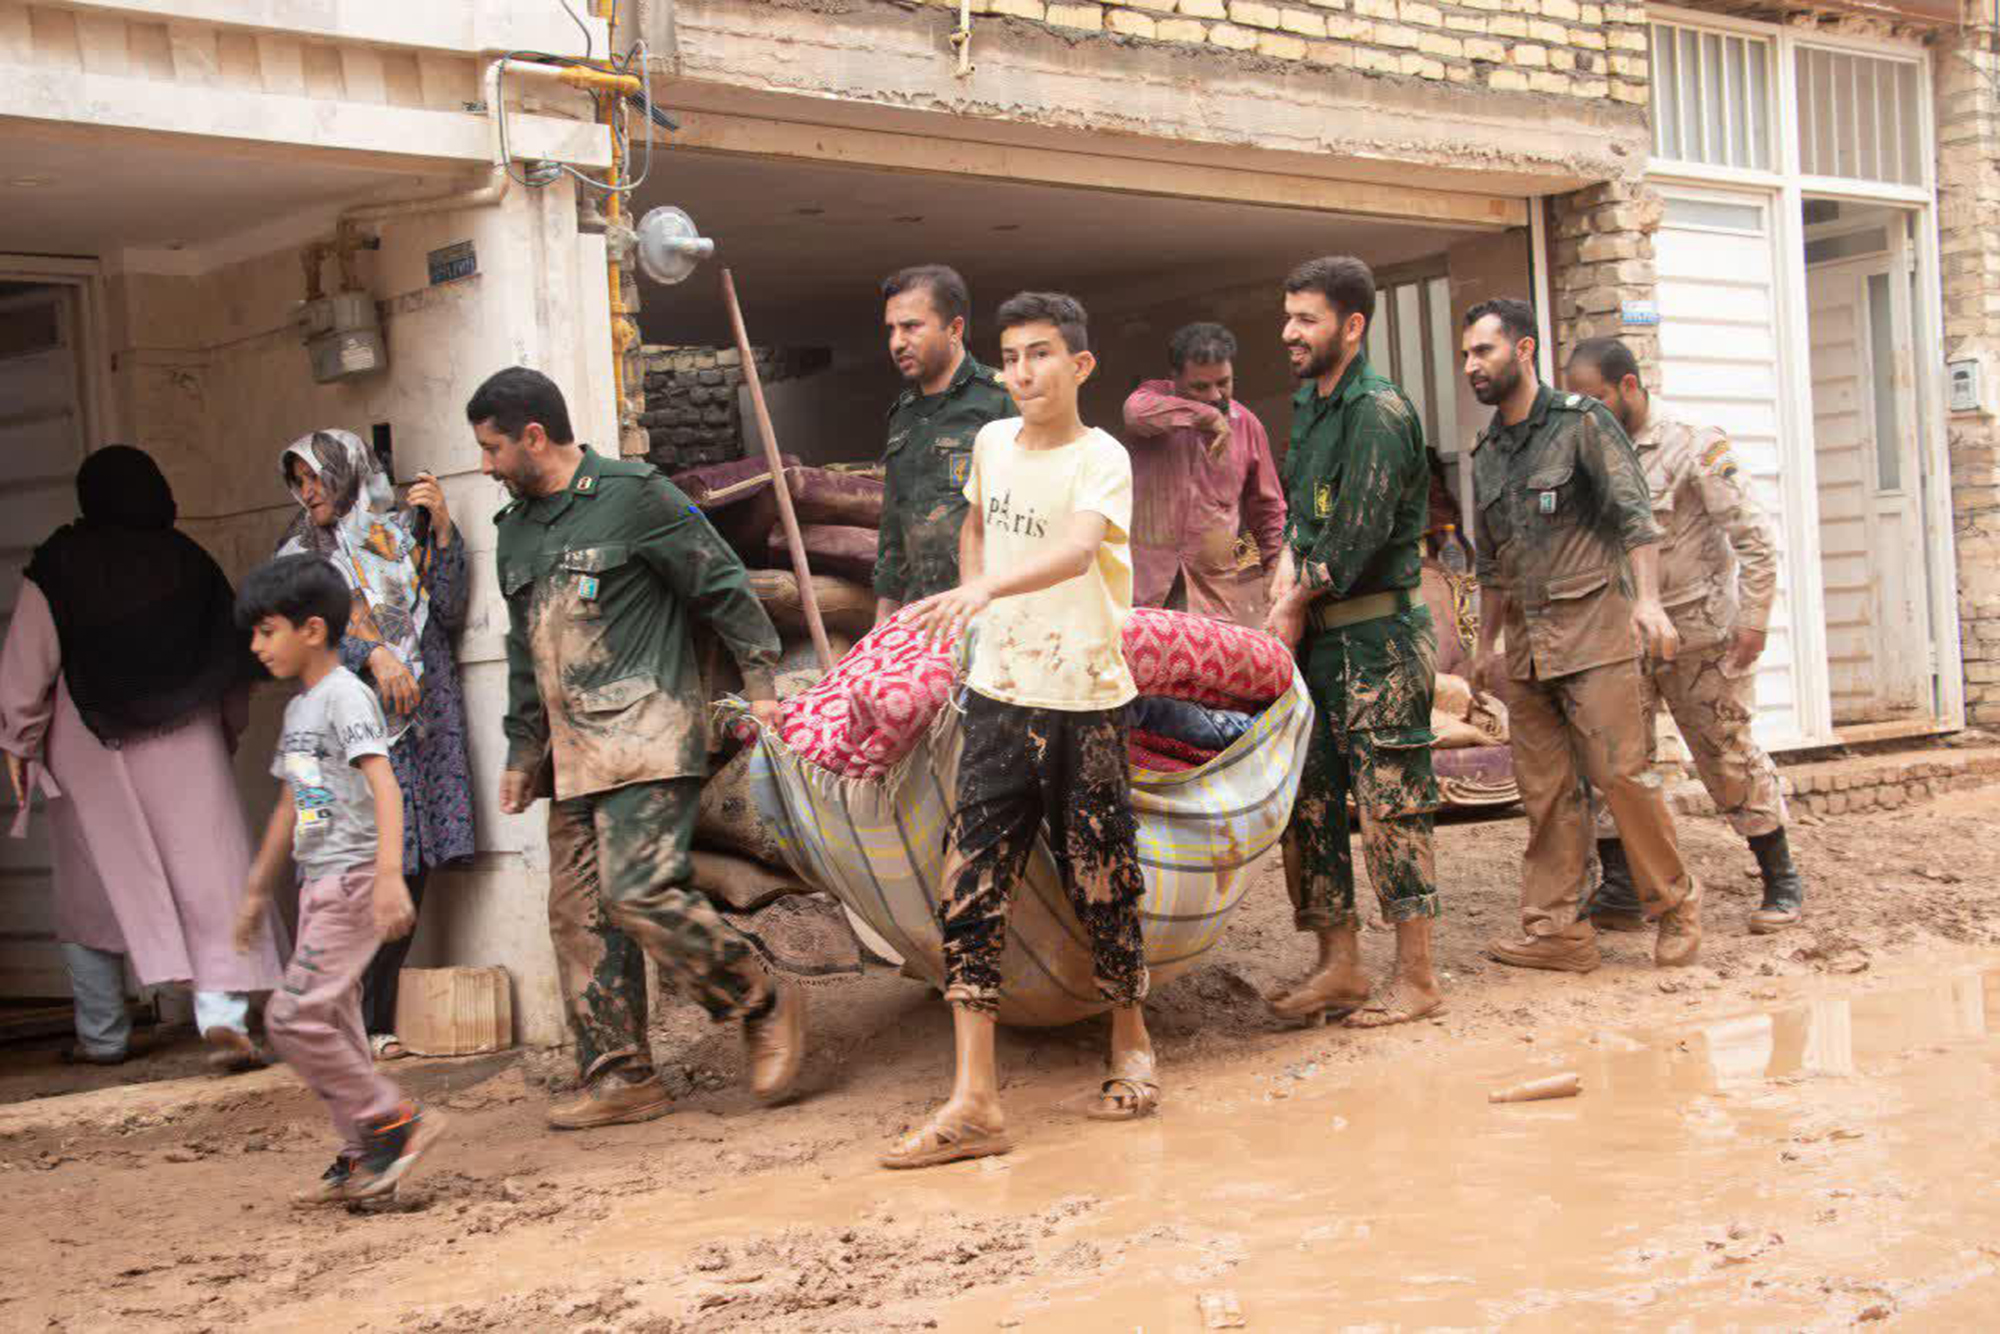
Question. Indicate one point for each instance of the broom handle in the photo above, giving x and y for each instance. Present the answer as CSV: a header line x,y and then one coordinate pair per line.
x,y
779,483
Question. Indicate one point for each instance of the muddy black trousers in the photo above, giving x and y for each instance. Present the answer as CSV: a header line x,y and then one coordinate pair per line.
x,y
1021,771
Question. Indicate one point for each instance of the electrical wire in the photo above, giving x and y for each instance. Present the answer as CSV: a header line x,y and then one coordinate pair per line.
x,y
641,101
580,27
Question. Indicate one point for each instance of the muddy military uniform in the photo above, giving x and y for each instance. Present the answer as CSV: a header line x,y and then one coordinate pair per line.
x,y
1718,575
1358,483
601,581
928,459
1561,500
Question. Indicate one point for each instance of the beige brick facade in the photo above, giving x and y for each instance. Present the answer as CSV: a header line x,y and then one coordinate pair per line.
x,y
1968,135
1556,47
1601,256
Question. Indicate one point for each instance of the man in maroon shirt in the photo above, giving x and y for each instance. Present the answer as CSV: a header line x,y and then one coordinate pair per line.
x,y
1201,474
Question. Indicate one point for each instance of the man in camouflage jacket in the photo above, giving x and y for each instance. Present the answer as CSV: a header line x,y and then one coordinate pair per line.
x,y
1718,576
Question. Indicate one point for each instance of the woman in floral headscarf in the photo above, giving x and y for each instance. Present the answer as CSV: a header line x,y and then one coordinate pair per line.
x,y
407,571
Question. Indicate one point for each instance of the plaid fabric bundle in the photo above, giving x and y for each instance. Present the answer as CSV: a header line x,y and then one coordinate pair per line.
x,y
876,840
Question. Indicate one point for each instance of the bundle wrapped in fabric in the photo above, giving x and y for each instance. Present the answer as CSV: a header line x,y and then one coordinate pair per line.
x,y
847,607
842,550
856,786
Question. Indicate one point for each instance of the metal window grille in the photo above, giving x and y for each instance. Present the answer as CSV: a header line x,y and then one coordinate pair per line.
x,y
1711,97
1859,117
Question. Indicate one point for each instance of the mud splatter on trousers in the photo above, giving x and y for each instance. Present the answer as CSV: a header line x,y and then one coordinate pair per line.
x,y
1372,684
1023,770
620,889
1713,711
1587,724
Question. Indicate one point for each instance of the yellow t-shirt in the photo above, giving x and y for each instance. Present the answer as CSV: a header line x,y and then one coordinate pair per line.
x,y
1061,648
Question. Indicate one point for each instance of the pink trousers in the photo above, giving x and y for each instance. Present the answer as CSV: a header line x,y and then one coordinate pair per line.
x,y
314,1018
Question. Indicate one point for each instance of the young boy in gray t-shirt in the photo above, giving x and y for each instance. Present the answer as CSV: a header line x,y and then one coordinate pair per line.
x,y
340,815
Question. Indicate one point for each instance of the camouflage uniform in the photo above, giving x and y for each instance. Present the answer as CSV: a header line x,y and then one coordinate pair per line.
x,y
1358,485
1718,575
1020,769
1561,500
928,458
604,689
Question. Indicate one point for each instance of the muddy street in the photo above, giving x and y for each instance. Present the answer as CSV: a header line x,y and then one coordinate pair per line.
x,y
1798,1133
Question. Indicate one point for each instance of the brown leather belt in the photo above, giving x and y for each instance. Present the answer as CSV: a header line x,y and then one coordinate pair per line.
x,y
1325,615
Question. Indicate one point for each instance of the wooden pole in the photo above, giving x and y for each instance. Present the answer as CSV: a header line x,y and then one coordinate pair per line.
x,y
779,484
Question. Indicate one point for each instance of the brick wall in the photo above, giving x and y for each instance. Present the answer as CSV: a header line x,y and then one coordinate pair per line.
x,y
693,414
1968,111
1566,48
1601,256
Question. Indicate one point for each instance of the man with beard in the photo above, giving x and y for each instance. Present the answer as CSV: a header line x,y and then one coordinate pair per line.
x,y
1345,598
1719,571
605,566
947,397
1201,474
1569,571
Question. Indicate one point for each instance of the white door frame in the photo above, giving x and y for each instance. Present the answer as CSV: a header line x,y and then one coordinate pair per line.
x,y
1798,471
94,369
1790,187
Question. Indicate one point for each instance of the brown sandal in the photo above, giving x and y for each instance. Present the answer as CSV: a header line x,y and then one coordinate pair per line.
x,y
1390,1011
1312,1000
937,1142
1131,1092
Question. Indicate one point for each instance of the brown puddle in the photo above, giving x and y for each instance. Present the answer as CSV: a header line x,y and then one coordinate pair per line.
x,y
1829,1160
1807,1166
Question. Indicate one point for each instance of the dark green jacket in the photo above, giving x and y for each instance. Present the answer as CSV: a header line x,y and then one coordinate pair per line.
x,y
600,580
1357,486
1562,497
928,457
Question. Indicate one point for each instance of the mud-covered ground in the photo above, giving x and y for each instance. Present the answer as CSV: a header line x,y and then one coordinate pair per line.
x,y
1290,1165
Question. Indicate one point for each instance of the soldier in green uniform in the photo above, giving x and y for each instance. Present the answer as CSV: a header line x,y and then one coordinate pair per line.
x,y
1569,573
948,397
1345,597
603,563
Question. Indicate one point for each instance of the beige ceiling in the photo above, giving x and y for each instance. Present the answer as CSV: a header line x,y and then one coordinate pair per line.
x,y
63,194
809,244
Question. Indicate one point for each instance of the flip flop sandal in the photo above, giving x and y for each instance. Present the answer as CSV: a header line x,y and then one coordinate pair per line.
x,y
1140,1097
387,1047
1336,1007
1391,1014
936,1143
1132,1091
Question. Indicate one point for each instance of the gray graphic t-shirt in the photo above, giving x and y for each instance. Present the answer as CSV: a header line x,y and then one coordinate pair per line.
x,y
328,730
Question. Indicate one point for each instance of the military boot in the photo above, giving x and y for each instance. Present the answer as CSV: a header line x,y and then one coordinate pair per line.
x,y
613,1098
1784,891
775,1043
1615,905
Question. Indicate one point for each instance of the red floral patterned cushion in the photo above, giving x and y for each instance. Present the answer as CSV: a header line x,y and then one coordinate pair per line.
x,y
869,711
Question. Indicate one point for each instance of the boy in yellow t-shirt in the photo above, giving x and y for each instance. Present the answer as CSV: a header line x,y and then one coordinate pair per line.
x,y
1046,564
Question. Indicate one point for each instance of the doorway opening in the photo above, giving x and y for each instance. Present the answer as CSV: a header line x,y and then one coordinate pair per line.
x,y
1867,431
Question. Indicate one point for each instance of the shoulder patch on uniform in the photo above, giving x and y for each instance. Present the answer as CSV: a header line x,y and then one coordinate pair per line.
x,y
586,483
1719,459
999,378
1322,500
1573,400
